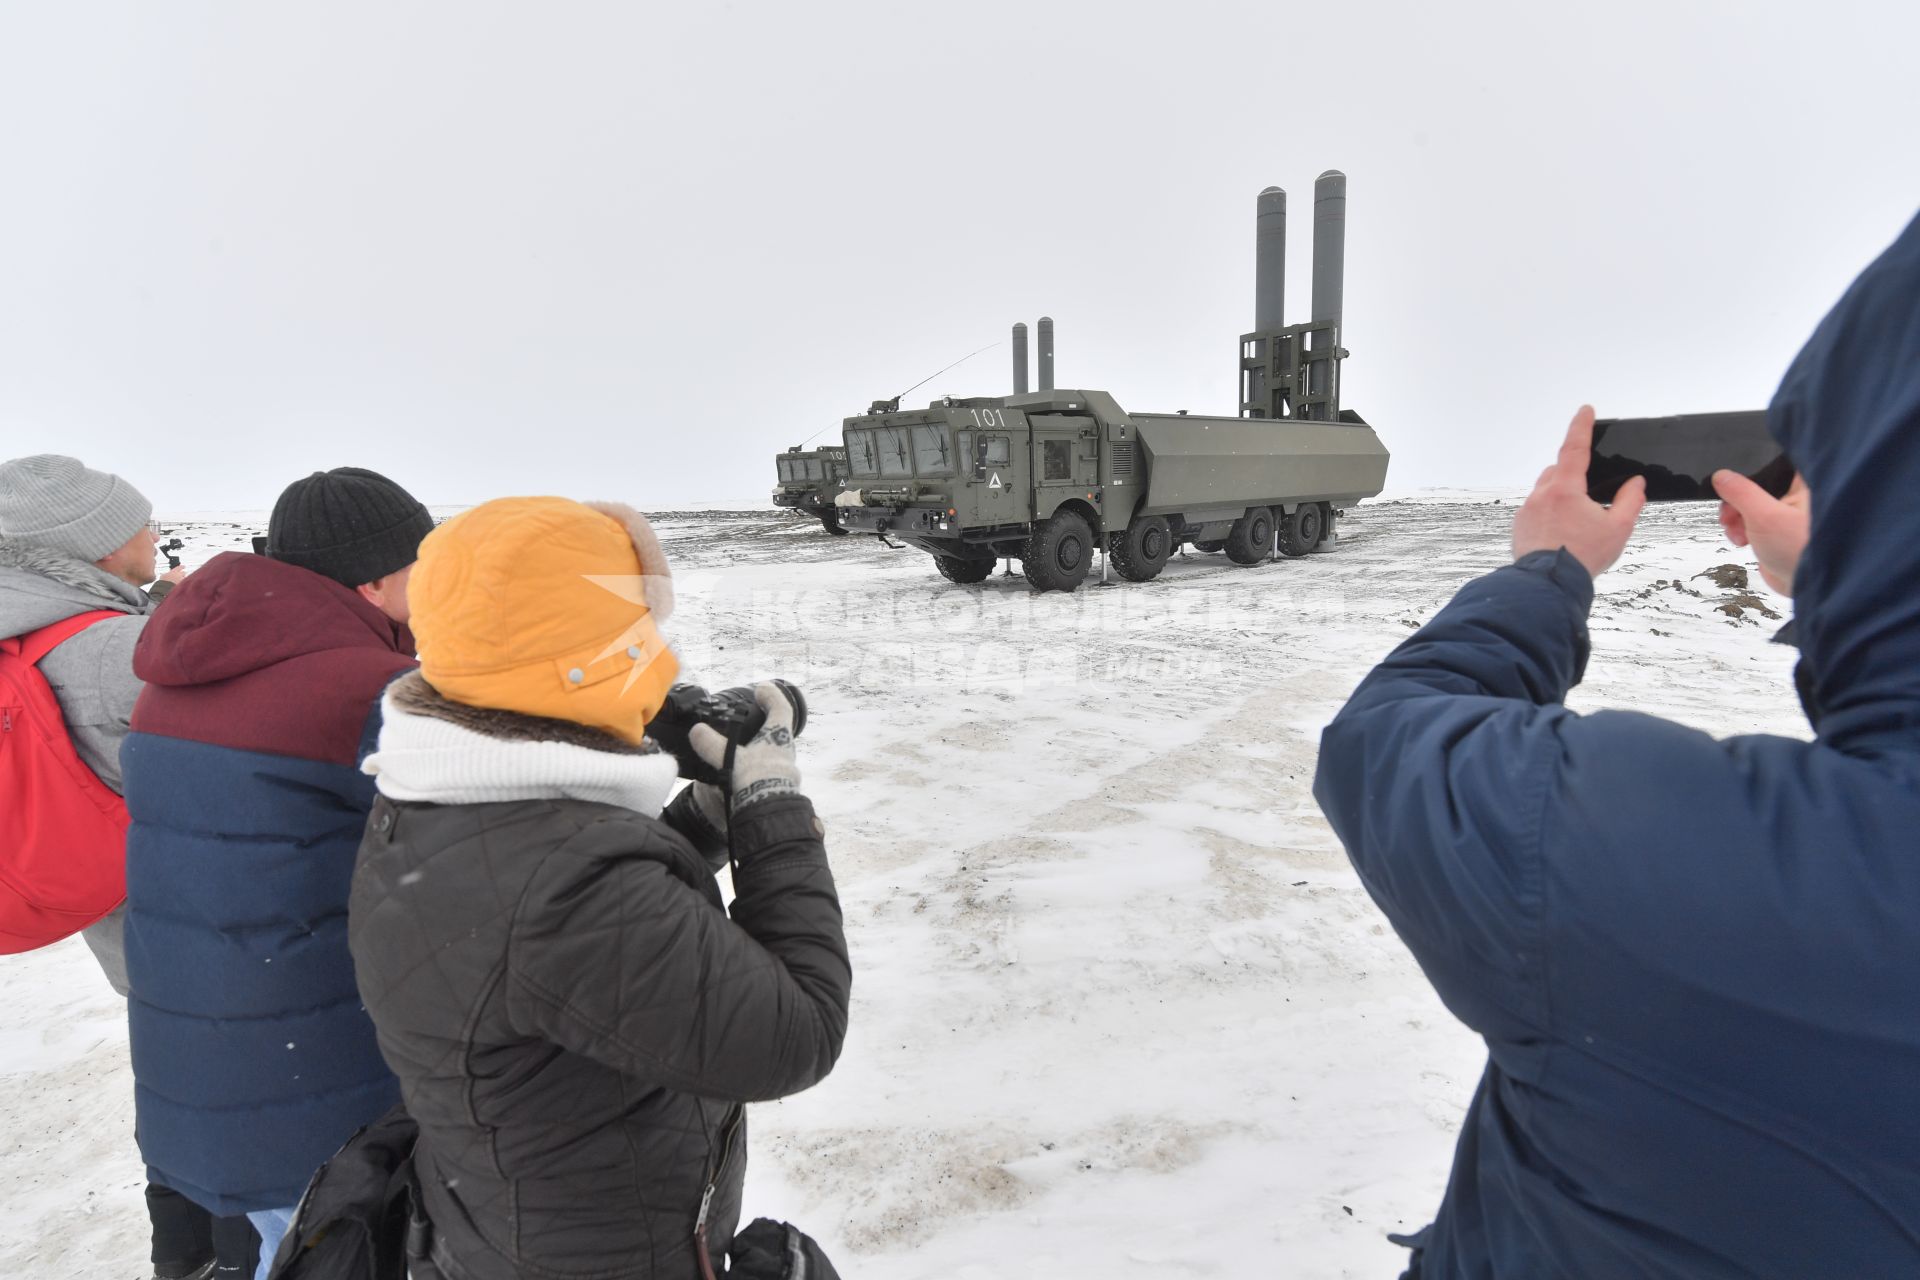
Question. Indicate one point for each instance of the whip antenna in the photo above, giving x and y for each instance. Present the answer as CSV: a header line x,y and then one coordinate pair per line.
x,y
955,365
923,382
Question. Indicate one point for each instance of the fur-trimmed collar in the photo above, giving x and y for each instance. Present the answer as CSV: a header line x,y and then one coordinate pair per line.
x,y
39,587
412,694
70,572
443,752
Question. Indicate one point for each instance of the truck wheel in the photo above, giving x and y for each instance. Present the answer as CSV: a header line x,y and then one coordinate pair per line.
x,y
1140,551
831,523
1210,547
1301,532
1058,552
956,569
1251,539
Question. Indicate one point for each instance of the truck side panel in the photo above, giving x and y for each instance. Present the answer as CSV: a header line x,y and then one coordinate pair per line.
x,y
1198,463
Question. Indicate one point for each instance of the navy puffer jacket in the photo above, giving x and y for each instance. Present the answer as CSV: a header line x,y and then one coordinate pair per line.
x,y
253,1059
1695,962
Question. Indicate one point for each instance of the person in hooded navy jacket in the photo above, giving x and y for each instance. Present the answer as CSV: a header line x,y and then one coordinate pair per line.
x,y
253,1058
1695,962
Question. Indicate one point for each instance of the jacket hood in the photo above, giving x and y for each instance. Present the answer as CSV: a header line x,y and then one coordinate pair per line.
x,y
242,613
1848,415
39,587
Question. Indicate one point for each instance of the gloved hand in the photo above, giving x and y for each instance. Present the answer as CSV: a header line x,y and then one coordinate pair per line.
x,y
762,767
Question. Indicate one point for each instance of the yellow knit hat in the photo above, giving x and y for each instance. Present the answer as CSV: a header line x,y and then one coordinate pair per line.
x,y
547,607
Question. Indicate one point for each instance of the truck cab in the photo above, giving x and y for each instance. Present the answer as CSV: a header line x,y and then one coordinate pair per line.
x,y
966,479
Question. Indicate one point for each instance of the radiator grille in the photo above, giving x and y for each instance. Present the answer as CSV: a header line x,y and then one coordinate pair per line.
x,y
1125,458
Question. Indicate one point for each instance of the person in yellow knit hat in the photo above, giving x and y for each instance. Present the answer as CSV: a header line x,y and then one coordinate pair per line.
x,y
549,608
575,1018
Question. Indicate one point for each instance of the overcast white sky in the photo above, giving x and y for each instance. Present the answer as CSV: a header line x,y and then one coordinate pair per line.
x,y
625,250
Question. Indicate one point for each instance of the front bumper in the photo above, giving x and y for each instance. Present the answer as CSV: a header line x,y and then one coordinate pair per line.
x,y
808,502
906,521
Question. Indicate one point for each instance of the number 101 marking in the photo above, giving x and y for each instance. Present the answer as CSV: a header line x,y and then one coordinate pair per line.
x,y
989,418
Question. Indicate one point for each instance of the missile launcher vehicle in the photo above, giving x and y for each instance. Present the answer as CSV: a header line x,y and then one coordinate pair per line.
x,y
1049,476
809,481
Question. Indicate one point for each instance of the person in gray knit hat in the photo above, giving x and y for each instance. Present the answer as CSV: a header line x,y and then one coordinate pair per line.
x,y
74,540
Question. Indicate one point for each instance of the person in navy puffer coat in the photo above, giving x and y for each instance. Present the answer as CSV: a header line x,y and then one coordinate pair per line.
x,y
1695,962
253,1058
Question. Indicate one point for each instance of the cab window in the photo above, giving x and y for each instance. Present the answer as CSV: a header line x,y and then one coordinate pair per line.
x,y
984,452
892,444
931,453
1056,459
863,453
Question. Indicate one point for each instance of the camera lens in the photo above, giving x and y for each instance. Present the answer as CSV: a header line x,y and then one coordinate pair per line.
x,y
799,701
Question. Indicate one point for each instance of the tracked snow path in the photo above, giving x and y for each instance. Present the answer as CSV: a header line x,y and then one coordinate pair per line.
x,y
1120,1008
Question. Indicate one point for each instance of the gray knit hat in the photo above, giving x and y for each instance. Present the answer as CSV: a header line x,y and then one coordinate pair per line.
x,y
349,524
59,503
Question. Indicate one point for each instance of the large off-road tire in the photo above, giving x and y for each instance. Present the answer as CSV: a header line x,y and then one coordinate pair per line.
x,y
830,521
1058,553
956,569
1140,550
1210,547
1251,539
1301,532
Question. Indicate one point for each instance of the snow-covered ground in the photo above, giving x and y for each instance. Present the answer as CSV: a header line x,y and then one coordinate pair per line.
x,y
1121,1009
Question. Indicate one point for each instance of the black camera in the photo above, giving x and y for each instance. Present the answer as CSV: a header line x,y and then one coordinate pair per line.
x,y
735,714
168,547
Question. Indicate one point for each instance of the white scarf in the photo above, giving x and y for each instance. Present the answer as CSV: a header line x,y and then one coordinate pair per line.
x,y
423,758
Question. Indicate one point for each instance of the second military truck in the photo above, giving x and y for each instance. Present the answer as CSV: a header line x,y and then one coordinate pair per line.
x,y
1048,477
809,481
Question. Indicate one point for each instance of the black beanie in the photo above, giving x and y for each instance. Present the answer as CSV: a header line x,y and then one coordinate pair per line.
x,y
349,524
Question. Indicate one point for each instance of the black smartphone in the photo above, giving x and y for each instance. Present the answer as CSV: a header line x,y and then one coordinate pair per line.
x,y
1679,455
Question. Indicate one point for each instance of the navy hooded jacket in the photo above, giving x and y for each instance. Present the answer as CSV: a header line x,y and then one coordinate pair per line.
x,y
1695,962
253,1059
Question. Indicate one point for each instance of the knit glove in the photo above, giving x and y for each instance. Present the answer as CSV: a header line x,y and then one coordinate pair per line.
x,y
762,767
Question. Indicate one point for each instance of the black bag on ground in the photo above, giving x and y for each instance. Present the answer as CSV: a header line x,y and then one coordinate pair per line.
x,y
769,1250
351,1224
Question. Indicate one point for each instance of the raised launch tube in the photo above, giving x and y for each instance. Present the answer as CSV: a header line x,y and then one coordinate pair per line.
x,y
1046,353
1329,244
1329,279
1020,358
1270,261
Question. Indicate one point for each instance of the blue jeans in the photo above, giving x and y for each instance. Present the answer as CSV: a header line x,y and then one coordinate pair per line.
x,y
272,1224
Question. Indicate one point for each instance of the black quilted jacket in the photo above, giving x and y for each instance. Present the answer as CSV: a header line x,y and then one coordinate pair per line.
x,y
575,1021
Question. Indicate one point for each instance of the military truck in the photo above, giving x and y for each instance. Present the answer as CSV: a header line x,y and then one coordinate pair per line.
x,y
1049,477
809,480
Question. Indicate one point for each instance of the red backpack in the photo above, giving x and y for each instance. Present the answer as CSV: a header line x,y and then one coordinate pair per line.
x,y
63,832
